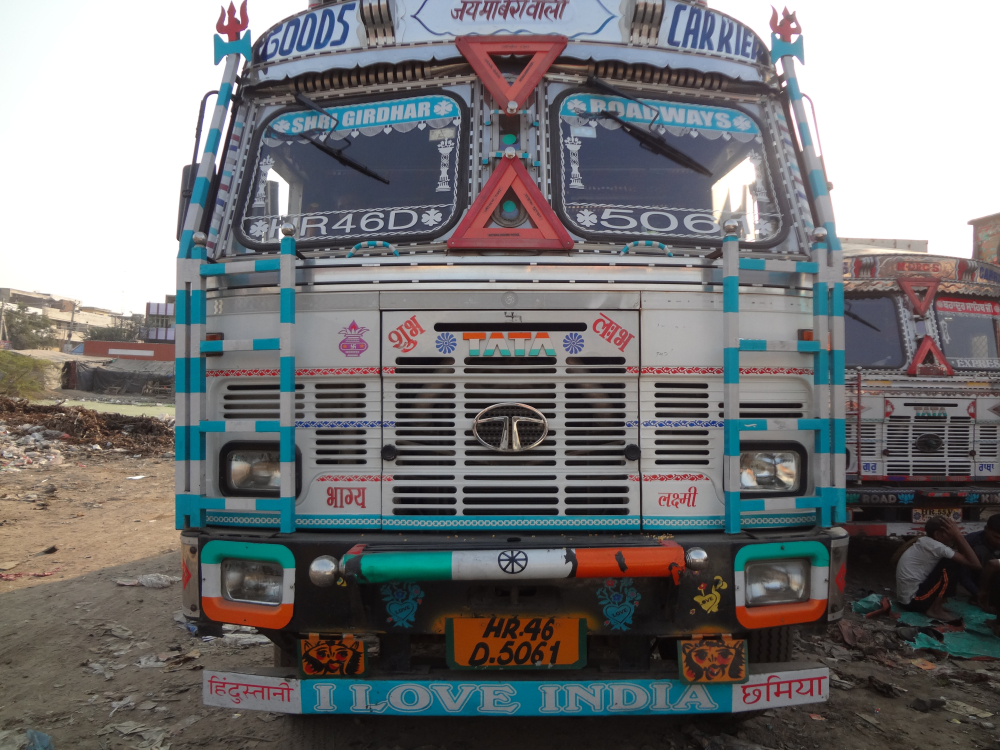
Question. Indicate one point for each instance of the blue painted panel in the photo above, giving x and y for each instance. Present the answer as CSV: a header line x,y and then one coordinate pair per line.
x,y
473,697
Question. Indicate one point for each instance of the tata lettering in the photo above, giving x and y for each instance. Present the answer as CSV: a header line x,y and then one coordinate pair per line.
x,y
483,344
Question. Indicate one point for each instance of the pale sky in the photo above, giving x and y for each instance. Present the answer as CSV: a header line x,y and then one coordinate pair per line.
x,y
102,98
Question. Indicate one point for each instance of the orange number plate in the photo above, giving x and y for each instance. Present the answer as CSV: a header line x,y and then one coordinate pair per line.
x,y
516,642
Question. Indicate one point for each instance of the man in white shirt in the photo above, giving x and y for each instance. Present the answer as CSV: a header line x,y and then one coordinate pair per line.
x,y
927,572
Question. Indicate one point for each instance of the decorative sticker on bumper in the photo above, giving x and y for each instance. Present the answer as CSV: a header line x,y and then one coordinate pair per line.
x,y
469,697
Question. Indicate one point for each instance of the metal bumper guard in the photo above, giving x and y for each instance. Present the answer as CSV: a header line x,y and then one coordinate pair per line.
x,y
661,561
769,686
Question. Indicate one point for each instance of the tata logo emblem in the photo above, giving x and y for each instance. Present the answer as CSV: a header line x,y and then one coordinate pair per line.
x,y
520,343
510,428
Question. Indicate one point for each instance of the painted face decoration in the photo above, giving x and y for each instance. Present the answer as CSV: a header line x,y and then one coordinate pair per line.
x,y
721,660
334,657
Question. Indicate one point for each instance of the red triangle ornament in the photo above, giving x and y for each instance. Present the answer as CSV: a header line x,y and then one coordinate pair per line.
x,y
511,96
473,233
920,306
927,346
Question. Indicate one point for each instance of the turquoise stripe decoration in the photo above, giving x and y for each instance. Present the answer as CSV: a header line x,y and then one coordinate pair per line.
x,y
730,294
181,368
804,135
287,375
198,308
817,181
731,365
287,305
263,345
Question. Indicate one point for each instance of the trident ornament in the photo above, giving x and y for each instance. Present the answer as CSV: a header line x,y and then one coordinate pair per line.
x,y
231,26
782,33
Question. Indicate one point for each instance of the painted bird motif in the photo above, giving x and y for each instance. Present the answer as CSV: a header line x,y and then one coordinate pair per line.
x,y
710,601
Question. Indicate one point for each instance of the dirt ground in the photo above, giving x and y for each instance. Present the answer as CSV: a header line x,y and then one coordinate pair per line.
x,y
71,644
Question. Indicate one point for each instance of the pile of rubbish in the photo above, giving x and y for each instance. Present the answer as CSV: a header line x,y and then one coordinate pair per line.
x,y
32,434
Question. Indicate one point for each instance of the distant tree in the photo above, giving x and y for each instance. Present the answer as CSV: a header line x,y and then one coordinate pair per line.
x,y
26,330
122,330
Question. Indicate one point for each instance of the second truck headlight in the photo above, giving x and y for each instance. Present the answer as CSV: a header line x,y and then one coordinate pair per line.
x,y
770,471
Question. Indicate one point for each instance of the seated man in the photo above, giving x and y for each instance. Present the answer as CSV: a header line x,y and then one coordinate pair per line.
x,y
926,573
986,546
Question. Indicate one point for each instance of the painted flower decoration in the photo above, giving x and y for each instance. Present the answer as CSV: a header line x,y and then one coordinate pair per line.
x,y
431,217
742,122
576,105
586,218
446,343
443,108
258,228
573,343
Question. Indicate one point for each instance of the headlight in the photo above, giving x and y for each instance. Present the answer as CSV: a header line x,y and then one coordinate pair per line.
x,y
253,471
252,581
769,471
776,582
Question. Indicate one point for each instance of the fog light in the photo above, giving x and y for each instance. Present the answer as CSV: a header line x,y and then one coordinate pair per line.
x,y
776,582
252,581
769,471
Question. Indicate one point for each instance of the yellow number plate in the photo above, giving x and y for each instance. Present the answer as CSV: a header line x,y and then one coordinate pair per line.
x,y
516,642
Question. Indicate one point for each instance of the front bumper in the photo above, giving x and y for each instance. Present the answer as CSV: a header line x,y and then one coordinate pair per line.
x,y
626,584
587,693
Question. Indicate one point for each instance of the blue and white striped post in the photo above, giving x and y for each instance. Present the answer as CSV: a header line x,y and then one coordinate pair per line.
x,y
190,311
823,481
286,332
831,275
731,376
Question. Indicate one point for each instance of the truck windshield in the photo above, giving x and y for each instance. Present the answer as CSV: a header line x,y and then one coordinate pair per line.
x,y
969,332
413,143
871,329
611,183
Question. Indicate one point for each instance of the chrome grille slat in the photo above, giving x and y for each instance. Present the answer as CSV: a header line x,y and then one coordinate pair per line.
x,y
338,420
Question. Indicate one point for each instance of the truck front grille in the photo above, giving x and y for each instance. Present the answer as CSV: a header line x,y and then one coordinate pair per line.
x,y
578,470
905,458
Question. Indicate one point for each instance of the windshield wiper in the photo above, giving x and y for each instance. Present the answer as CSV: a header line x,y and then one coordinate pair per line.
x,y
335,153
647,139
861,320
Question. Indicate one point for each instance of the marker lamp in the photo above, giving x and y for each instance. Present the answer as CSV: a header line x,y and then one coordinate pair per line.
x,y
252,581
770,471
776,582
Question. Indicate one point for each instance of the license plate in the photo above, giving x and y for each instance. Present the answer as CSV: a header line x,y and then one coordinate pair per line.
x,y
516,642
716,660
920,515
